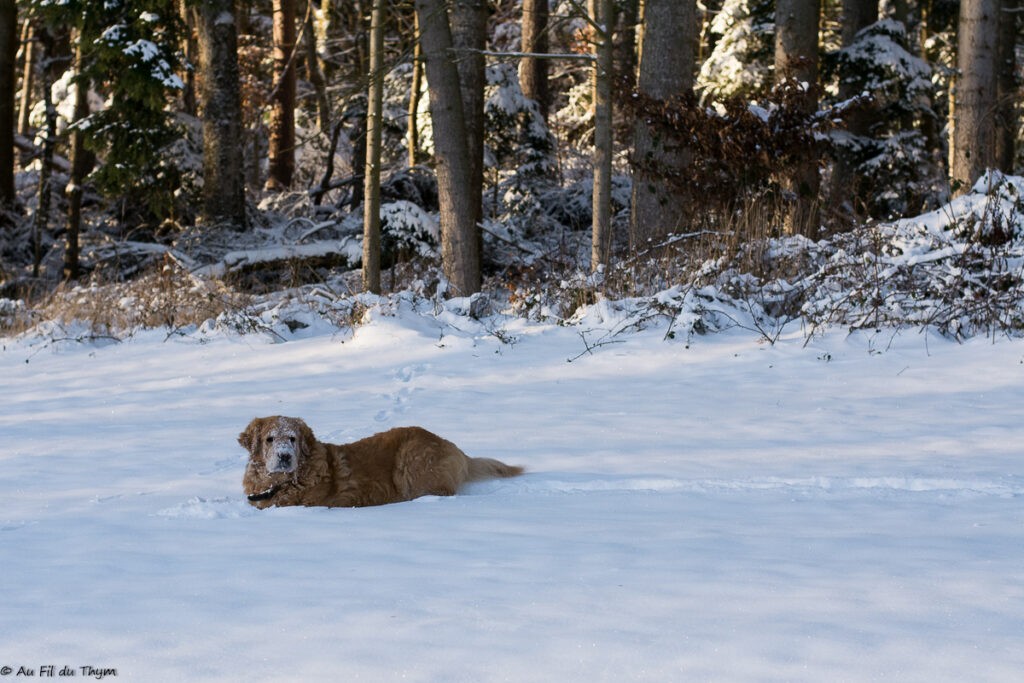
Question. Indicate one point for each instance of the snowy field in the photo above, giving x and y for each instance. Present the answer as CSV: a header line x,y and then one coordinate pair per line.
x,y
727,510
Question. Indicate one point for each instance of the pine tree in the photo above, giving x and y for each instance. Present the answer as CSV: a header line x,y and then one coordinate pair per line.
x,y
887,166
130,54
741,63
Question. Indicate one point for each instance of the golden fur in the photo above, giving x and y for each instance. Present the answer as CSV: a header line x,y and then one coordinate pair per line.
x,y
289,466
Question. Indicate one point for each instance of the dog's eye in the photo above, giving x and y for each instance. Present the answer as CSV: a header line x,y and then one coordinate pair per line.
x,y
292,439
270,439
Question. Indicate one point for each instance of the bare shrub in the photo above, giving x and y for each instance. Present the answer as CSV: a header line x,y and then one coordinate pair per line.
x,y
166,296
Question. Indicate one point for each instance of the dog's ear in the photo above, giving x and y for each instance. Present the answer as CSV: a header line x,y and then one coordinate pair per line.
x,y
306,438
250,437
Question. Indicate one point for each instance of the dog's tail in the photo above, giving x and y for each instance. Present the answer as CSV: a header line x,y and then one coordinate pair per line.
x,y
488,468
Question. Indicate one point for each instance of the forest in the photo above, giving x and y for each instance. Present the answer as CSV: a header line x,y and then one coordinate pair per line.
x,y
164,163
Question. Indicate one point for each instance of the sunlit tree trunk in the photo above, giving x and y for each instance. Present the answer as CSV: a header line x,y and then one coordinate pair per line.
x,y
460,236
371,179
281,153
973,148
28,74
415,90
188,47
602,14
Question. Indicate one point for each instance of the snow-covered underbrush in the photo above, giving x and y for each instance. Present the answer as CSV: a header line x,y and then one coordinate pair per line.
x,y
958,270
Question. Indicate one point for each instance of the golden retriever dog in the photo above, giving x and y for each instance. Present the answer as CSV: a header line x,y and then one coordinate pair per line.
x,y
288,466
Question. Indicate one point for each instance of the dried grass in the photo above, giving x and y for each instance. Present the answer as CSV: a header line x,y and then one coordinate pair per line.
x,y
167,296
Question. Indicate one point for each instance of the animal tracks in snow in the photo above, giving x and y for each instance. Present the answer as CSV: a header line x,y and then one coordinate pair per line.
x,y
398,401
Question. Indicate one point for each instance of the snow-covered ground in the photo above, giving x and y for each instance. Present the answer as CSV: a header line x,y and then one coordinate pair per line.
x,y
722,510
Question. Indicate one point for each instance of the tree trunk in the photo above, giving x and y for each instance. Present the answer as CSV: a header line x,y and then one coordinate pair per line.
x,y
628,36
796,58
81,160
602,13
533,72
371,193
1007,91
974,130
42,218
460,236
468,21
666,71
223,168
415,90
188,46
27,78
8,52
281,153
857,14
316,73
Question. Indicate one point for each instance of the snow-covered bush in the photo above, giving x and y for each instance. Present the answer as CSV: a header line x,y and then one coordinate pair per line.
x,y
958,270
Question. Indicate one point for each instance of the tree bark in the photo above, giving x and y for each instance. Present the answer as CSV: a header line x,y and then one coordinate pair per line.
x,y
533,72
602,14
81,160
628,36
41,220
973,148
460,235
8,51
188,46
1007,92
281,153
27,78
371,192
413,131
796,58
316,73
666,71
857,14
468,21
223,170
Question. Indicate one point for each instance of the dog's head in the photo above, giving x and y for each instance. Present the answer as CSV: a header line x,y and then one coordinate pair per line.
x,y
275,444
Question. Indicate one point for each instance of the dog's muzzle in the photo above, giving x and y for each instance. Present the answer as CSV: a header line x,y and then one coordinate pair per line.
x,y
282,462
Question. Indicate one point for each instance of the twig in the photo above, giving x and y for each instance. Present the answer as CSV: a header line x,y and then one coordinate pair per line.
x,y
589,350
